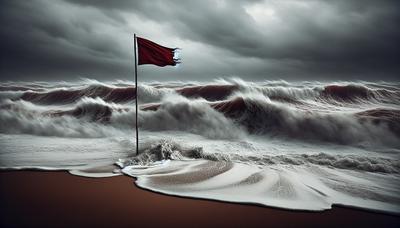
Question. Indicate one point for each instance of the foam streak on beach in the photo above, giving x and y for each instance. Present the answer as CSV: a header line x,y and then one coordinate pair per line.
x,y
294,145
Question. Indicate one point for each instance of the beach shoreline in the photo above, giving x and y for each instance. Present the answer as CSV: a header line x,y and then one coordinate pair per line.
x,y
57,198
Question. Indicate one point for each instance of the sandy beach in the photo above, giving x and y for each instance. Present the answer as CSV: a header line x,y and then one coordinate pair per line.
x,y
40,198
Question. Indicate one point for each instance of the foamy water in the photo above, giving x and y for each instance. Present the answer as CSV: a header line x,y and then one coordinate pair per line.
x,y
301,146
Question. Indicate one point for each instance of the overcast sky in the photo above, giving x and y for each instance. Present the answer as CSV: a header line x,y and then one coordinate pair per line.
x,y
253,39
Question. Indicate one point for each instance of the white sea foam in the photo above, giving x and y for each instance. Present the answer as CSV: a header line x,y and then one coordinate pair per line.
x,y
299,188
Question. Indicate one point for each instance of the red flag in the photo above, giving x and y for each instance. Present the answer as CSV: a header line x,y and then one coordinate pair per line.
x,y
152,53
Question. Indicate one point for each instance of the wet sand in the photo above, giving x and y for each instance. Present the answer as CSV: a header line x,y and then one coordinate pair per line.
x,y
39,198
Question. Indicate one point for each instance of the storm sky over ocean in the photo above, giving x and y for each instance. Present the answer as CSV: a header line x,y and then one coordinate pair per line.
x,y
253,39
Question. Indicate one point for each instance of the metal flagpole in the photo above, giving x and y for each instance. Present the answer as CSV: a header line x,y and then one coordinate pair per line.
x,y
136,100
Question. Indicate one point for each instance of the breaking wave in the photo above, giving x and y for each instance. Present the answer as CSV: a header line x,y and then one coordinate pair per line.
x,y
265,116
220,90
21,117
234,117
67,95
358,92
155,152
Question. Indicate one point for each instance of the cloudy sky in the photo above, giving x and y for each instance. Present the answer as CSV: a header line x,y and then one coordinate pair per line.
x,y
253,39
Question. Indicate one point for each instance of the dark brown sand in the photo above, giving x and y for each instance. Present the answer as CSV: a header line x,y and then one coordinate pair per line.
x,y
37,198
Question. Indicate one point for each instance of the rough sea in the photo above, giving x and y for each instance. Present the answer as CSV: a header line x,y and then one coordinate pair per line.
x,y
296,145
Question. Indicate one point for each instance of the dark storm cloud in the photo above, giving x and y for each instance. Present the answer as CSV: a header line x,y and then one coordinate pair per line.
x,y
252,39
39,40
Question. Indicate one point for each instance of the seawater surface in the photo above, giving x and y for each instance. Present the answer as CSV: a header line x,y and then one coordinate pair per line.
x,y
295,145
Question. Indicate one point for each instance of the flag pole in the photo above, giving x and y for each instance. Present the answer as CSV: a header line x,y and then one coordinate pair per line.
x,y
136,99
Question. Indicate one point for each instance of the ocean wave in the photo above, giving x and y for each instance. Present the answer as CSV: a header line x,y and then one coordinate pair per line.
x,y
21,117
124,94
154,152
351,162
354,93
93,113
234,118
208,92
217,91
178,113
284,92
290,94
70,95
263,116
